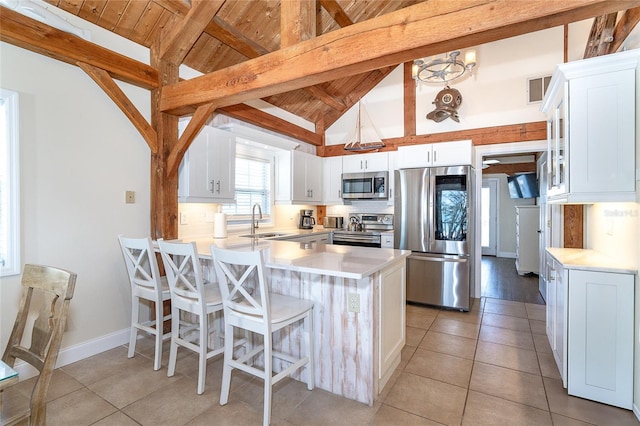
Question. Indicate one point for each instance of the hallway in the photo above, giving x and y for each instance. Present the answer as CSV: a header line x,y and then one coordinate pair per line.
x,y
500,280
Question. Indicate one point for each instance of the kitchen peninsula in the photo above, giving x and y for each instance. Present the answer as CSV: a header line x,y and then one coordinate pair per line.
x,y
359,314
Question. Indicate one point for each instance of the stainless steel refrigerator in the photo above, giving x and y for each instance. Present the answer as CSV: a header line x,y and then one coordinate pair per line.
x,y
433,219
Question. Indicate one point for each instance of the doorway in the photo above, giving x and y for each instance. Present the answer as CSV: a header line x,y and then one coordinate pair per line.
x,y
490,269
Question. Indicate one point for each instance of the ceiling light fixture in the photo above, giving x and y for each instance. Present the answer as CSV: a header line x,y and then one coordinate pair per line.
x,y
442,70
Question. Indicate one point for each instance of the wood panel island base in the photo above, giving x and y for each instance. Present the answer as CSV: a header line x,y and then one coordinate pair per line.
x,y
359,312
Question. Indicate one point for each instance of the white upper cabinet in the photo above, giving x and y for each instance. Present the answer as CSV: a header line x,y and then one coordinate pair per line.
x,y
298,178
332,180
373,162
591,112
458,153
207,171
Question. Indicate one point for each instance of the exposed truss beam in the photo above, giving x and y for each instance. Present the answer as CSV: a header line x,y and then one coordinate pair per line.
x,y
601,35
104,80
384,41
178,39
35,36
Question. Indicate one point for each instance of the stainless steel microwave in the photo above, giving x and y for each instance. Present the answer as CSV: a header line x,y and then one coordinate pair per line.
x,y
365,186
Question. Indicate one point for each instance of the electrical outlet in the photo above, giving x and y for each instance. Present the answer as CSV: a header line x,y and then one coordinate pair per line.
x,y
354,302
184,219
130,197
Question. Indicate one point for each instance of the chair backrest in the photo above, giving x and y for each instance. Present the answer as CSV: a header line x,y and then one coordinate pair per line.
x,y
184,272
47,291
142,265
242,282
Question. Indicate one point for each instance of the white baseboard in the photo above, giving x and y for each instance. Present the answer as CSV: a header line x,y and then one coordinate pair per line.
x,y
506,254
636,411
77,352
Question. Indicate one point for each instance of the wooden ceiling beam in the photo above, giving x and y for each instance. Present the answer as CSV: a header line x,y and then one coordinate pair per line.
x,y
297,21
626,24
601,35
37,37
524,132
179,7
337,13
383,41
319,92
233,38
176,41
510,169
104,80
259,118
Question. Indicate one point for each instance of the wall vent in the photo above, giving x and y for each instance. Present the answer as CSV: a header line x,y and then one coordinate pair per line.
x,y
536,88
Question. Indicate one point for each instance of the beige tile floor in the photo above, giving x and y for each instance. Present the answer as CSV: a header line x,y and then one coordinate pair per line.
x,y
490,366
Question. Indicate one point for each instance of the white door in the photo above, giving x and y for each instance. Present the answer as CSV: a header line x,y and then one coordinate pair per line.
x,y
544,227
489,216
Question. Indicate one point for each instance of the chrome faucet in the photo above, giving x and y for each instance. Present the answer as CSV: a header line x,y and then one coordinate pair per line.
x,y
254,223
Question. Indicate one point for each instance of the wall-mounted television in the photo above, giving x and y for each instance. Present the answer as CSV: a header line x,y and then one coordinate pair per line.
x,y
523,185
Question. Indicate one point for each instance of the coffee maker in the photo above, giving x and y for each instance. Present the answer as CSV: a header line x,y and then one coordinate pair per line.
x,y
306,219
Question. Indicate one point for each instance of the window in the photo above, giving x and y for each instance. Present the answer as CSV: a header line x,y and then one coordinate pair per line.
x,y
253,186
9,195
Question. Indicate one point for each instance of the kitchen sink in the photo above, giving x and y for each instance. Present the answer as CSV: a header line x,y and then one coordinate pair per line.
x,y
264,235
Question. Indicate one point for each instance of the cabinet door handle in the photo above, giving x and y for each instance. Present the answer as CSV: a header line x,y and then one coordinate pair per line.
x,y
339,194
366,164
428,160
360,164
435,156
218,187
211,186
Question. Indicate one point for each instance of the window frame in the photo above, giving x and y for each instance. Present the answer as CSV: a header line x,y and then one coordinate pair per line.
x,y
267,218
11,265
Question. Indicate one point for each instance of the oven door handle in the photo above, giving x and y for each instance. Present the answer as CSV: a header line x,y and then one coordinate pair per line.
x,y
357,238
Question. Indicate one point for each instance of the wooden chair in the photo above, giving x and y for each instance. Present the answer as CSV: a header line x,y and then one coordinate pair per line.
x,y
47,291
248,305
189,294
146,283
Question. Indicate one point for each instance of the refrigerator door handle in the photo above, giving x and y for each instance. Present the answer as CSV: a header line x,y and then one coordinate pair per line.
x,y
440,259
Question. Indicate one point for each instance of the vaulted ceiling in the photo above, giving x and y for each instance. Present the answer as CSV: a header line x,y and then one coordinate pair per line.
x,y
313,58
242,30
236,31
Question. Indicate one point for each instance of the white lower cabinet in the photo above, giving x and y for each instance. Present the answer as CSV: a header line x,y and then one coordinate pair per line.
x,y
590,320
557,314
391,321
600,343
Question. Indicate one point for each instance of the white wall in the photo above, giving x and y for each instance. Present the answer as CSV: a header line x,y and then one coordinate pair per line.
x,y
79,154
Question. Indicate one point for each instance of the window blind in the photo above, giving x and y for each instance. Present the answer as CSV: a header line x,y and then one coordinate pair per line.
x,y
253,186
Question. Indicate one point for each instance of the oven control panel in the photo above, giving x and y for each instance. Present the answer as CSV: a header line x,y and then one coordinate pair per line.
x,y
370,221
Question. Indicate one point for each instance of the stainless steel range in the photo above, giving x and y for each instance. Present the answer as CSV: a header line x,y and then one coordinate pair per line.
x,y
370,235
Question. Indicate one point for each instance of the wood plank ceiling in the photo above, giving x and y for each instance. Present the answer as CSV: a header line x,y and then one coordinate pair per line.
x,y
242,30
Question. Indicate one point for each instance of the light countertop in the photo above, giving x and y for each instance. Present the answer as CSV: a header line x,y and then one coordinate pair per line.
x,y
589,260
316,258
